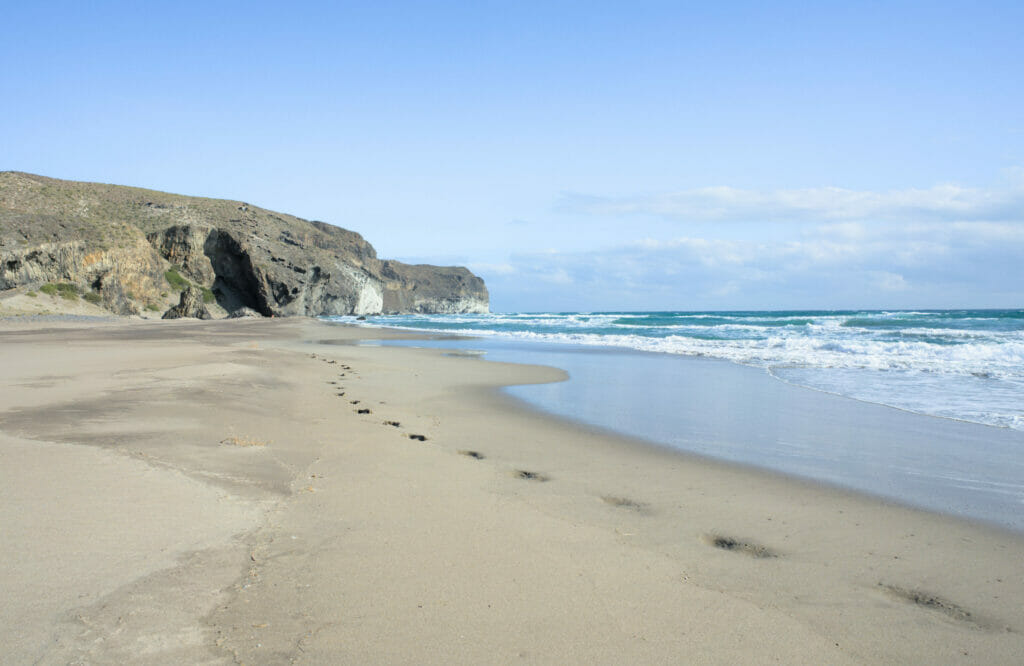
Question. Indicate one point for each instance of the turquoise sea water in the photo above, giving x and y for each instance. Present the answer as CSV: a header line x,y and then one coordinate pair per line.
x,y
960,364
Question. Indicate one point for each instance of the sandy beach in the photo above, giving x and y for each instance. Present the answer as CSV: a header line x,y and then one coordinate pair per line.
x,y
269,491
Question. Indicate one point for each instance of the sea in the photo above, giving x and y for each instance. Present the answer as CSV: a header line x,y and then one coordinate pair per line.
x,y
925,407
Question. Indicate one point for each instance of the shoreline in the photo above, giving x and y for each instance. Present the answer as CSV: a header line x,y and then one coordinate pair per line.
x,y
506,533
766,423
950,364
826,486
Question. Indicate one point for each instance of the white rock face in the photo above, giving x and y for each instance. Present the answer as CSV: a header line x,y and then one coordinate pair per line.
x,y
369,297
452,306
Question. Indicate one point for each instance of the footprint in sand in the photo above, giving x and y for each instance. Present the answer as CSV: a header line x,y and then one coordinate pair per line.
x,y
530,476
929,601
735,545
363,411
472,454
418,438
624,503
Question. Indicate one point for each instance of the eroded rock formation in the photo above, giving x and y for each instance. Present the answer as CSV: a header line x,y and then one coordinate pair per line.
x,y
190,305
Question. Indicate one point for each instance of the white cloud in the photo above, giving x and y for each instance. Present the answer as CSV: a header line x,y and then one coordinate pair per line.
x,y
887,281
991,231
559,276
946,202
845,230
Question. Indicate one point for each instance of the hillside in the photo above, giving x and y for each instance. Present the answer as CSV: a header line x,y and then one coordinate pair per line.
x,y
130,249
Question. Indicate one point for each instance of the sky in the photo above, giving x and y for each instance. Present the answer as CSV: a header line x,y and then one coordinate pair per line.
x,y
579,156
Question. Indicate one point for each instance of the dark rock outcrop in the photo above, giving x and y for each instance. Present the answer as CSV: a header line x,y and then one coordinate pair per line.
x,y
119,241
190,306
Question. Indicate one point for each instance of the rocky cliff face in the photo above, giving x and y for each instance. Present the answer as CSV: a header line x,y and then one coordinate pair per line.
x,y
119,241
429,289
118,265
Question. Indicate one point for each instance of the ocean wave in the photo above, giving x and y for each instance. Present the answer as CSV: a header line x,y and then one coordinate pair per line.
x,y
994,358
962,364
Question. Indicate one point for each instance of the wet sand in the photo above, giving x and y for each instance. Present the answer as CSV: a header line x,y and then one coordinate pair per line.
x,y
269,492
739,413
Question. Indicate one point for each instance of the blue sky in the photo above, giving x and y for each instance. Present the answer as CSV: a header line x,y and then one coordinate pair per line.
x,y
578,156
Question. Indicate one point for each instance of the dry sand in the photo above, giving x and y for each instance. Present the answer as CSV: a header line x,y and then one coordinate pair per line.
x,y
209,492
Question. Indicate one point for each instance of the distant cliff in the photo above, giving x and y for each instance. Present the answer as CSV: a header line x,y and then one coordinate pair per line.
x,y
134,249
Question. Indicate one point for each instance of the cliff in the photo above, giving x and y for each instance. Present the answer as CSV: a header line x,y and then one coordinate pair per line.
x,y
135,249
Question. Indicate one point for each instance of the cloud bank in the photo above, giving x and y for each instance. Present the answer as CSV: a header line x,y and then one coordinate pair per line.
x,y
712,204
831,266
945,246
